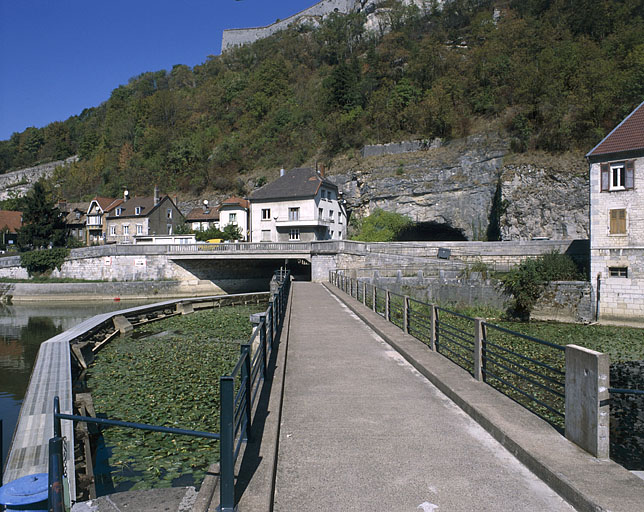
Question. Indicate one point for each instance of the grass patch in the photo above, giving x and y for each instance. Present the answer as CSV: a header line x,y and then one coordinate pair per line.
x,y
166,373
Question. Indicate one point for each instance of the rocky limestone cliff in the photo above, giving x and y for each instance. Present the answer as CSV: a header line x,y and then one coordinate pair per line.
x,y
19,182
455,185
548,203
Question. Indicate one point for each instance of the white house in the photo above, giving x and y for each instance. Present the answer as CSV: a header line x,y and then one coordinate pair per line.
x,y
617,221
301,205
234,210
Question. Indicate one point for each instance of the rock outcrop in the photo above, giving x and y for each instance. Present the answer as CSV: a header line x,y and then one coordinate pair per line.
x,y
455,184
544,203
19,182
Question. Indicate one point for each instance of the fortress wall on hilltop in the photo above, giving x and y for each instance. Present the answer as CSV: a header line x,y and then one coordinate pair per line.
x,y
240,36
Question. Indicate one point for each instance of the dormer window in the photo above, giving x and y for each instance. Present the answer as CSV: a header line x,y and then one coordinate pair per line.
x,y
119,211
137,210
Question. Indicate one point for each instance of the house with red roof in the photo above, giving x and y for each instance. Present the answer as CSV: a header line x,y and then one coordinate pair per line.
x,y
10,223
204,217
617,221
97,220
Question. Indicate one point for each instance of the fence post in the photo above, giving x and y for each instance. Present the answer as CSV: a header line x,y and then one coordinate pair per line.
x,y
264,348
57,426
227,445
387,299
433,320
55,479
478,348
364,293
374,297
587,404
406,314
247,378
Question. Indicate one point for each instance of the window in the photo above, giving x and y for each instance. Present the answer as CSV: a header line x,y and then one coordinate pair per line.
x,y
266,235
618,176
340,234
137,210
339,217
331,216
126,229
617,222
294,234
119,211
320,213
266,214
294,214
169,229
323,194
139,229
232,218
618,271
112,230
330,194
169,211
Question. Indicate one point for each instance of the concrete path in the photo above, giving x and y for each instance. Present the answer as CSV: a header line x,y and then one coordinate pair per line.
x,y
363,430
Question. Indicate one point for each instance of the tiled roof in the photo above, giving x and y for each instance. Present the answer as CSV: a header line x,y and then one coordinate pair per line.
x,y
10,219
197,214
107,202
627,136
128,207
301,182
235,201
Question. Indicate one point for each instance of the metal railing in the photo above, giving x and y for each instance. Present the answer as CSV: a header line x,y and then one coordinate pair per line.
x,y
532,374
238,393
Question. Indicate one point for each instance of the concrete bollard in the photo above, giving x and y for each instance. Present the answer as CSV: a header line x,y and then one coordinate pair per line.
x,y
587,409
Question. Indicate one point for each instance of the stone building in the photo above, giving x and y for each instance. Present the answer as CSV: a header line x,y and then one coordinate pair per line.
x,y
141,216
301,205
203,218
617,221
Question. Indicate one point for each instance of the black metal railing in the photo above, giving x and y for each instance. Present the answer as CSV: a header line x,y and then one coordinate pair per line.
x,y
528,370
238,392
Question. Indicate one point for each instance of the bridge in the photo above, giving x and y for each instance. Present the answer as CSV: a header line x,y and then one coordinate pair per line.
x,y
364,417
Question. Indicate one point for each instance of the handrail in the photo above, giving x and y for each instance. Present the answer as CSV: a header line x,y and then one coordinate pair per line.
x,y
236,408
466,341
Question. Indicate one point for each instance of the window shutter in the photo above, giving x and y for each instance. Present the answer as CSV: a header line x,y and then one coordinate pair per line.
x,y
618,222
605,177
630,174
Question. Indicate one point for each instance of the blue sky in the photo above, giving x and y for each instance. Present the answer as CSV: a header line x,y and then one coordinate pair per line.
x,y
58,57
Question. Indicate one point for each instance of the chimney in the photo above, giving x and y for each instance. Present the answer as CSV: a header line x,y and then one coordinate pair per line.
x,y
322,170
156,195
205,205
126,194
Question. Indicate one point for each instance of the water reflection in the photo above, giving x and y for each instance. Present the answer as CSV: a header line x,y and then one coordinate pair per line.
x,y
23,328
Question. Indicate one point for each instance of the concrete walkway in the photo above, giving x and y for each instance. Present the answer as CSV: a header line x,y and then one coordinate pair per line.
x,y
362,430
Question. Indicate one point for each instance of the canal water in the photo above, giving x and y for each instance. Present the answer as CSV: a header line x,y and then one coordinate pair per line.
x,y
22,329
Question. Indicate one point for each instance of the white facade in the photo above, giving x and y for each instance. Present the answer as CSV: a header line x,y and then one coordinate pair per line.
x,y
321,217
617,237
235,215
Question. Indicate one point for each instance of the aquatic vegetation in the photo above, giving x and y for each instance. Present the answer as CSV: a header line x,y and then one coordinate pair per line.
x,y
166,373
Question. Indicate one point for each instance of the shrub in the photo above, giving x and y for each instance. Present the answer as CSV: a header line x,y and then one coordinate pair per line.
x,y
381,226
527,281
43,261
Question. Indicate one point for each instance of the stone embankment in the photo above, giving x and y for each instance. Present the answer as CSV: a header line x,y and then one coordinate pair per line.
x,y
19,182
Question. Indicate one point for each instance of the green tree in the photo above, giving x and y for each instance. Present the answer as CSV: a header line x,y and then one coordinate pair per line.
x,y
43,223
232,232
381,226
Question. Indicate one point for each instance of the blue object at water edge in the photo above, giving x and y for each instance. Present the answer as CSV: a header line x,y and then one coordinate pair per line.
x,y
26,494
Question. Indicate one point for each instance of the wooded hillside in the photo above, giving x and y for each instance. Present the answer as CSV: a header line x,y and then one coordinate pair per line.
x,y
554,74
